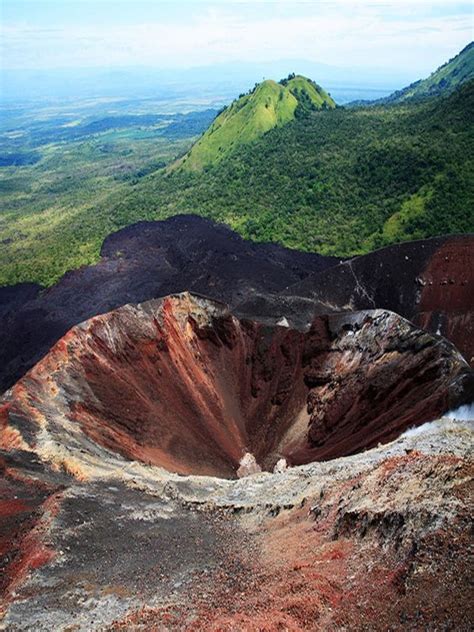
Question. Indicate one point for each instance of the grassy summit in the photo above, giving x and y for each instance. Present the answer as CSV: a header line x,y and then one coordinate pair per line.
x,y
340,182
268,105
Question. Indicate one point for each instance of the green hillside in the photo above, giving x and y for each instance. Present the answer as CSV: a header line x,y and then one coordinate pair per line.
x,y
445,79
343,181
268,105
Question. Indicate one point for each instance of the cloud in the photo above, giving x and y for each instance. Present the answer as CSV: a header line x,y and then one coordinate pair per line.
x,y
338,32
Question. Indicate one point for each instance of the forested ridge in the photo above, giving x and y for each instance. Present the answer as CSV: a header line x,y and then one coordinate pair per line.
x,y
341,182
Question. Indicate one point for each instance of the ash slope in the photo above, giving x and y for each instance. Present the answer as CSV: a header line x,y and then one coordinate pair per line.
x,y
375,541
430,282
144,261
259,281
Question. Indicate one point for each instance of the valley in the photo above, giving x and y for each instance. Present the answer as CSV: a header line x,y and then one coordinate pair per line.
x,y
58,164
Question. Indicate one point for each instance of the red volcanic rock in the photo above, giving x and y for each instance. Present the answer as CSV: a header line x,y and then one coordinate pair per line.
x,y
24,502
446,301
138,263
378,376
448,279
430,282
182,383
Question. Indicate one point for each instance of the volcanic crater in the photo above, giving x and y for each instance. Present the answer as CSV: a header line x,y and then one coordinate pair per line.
x,y
182,383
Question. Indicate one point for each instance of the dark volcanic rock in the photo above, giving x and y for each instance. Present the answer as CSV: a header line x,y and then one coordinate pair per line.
x,y
181,383
13,297
141,262
430,282
93,536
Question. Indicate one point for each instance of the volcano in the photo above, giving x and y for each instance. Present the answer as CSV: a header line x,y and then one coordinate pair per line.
x,y
120,453
429,282
183,384
275,449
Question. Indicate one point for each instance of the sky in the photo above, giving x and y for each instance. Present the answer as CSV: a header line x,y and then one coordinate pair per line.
x,y
397,35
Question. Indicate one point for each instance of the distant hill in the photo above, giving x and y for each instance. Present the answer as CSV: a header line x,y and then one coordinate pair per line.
x,y
269,104
444,80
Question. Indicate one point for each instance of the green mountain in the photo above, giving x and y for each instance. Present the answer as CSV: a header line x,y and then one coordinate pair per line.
x,y
445,79
342,181
268,105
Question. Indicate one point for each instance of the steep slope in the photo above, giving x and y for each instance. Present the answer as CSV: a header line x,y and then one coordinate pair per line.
x,y
342,182
140,262
444,80
385,174
265,281
375,541
96,535
309,94
181,383
429,282
268,105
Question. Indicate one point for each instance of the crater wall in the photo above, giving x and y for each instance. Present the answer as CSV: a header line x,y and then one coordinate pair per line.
x,y
182,383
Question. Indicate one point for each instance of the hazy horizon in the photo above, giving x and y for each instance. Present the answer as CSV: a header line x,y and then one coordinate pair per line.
x,y
222,81
92,48
403,36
